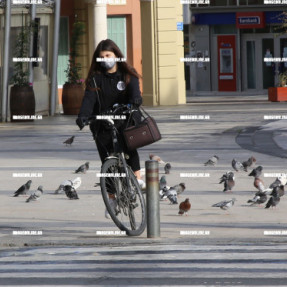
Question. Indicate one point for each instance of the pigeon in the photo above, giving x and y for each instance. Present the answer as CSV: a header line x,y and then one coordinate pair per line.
x,y
281,180
228,180
167,168
70,192
162,182
256,172
156,158
36,195
171,194
212,161
23,189
163,192
279,190
274,199
225,204
248,163
184,207
69,141
258,183
237,165
259,198
83,168
179,188
74,183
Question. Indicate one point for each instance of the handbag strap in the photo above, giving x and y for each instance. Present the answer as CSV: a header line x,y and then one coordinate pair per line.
x,y
98,96
144,114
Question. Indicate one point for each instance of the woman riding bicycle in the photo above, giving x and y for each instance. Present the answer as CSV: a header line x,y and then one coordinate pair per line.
x,y
117,83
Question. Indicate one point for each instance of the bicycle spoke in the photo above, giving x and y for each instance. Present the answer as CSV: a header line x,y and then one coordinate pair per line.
x,y
129,213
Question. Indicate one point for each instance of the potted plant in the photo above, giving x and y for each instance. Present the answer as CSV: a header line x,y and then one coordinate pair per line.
x,y
22,98
73,91
279,94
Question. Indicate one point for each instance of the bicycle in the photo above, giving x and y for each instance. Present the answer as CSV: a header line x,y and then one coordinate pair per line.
x,y
119,186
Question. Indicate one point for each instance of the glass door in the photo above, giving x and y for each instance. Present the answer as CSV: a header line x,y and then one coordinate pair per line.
x,y
269,68
251,67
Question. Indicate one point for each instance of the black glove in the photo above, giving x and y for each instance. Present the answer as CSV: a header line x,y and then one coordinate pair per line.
x,y
81,122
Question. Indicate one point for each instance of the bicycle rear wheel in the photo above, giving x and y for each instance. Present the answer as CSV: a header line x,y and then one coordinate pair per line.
x,y
127,209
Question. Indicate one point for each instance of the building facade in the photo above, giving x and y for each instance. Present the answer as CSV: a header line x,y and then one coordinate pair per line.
x,y
235,39
149,33
20,15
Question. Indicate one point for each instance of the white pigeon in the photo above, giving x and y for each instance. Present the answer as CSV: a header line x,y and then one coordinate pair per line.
x,y
74,183
36,195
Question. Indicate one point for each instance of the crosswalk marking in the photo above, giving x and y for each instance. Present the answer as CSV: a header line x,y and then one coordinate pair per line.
x,y
152,265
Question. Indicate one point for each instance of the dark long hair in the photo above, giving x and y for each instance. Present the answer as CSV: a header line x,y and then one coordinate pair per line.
x,y
96,68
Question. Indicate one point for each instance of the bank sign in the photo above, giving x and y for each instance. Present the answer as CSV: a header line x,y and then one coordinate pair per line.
x,y
247,20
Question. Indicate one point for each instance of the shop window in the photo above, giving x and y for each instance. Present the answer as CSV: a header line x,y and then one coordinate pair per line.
x,y
42,51
283,53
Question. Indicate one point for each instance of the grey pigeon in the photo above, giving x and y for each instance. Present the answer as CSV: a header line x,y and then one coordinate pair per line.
x,y
70,192
172,196
170,193
229,181
167,168
259,198
248,163
237,165
69,141
274,199
162,182
36,195
180,188
225,204
163,192
75,183
256,172
83,168
279,190
281,180
212,161
23,189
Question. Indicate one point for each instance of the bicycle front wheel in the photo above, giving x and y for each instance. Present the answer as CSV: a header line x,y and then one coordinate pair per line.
x,y
125,206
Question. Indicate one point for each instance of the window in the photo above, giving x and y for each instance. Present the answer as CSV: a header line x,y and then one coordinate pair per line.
x,y
117,32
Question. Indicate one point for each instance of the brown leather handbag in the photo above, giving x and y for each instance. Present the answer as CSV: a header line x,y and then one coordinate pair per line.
x,y
142,133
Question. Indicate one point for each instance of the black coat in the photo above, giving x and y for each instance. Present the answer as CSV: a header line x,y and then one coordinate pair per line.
x,y
112,90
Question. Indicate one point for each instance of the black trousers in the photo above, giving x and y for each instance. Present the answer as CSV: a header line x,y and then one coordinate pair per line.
x,y
104,144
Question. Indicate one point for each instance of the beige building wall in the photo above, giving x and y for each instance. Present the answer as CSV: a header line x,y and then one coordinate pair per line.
x,y
163,72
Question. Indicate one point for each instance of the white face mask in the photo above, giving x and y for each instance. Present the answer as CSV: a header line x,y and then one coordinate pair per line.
x,y
109,64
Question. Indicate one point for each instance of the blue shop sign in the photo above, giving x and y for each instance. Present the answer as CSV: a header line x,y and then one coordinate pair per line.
x,y
179,26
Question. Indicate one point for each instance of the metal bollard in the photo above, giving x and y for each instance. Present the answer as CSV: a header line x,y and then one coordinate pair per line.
x,y
152,199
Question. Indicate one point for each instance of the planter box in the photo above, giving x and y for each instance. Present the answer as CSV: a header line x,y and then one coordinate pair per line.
x,y
72,98
22,104
277,94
